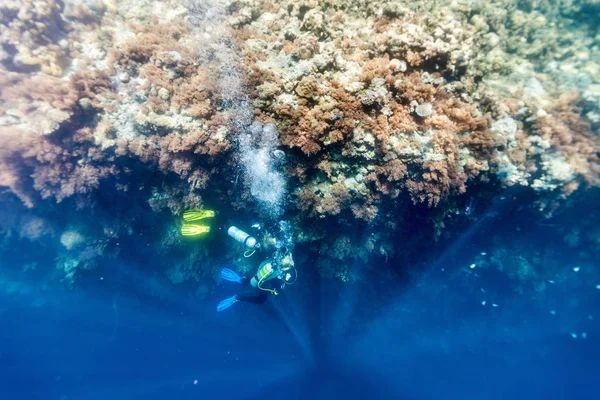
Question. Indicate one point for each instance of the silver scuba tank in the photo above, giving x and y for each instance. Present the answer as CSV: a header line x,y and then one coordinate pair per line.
x,y
250,243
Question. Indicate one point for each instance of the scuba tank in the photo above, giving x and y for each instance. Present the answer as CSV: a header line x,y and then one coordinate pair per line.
x,y
266,271
250,243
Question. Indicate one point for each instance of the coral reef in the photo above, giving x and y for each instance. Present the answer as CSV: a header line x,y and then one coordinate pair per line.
x,y
346,117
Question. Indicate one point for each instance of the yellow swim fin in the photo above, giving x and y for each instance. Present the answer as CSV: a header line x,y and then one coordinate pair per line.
x,y
196,215
194,230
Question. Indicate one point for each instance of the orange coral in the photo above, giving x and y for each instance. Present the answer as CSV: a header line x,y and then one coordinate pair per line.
x,y
570,133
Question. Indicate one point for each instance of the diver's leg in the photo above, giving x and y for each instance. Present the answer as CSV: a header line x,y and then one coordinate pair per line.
x,y
251,299
250,294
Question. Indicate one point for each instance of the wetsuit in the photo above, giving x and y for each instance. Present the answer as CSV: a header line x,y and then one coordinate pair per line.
x,y
255,295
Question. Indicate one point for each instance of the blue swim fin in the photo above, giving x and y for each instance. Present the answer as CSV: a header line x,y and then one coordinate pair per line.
x,y
230,275
227,303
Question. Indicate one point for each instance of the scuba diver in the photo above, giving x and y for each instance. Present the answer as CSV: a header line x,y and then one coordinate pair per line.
x,y
273,274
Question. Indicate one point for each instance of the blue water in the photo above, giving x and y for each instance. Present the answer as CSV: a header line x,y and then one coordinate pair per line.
x,y
126,333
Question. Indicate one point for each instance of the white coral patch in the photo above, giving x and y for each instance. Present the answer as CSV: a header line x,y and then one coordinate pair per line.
x,y
505,127
557,172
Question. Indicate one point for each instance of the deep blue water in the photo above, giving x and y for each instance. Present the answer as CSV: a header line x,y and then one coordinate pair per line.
x,y
123,333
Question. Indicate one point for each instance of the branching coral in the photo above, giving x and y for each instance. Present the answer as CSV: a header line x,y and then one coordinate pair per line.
x,y
50,153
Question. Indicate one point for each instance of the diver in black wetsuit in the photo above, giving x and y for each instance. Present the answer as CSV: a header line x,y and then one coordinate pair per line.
x,y
268,280
272,274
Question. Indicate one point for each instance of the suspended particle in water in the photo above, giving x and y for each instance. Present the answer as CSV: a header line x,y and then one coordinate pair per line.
x,y
575,269
483,303
598,287
574,335
494,305
553,312
483,253
472,266
195,381
584,335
